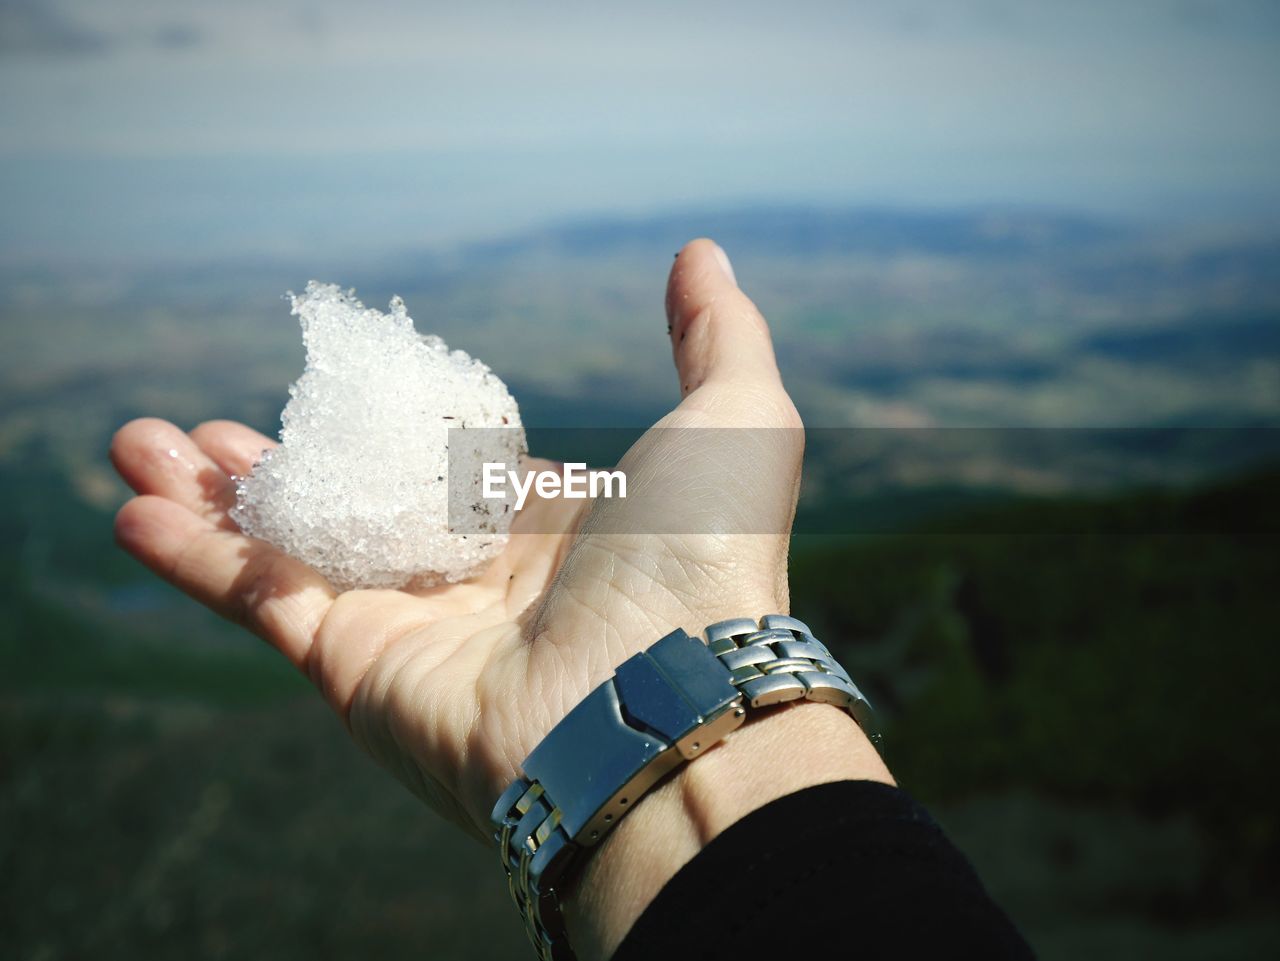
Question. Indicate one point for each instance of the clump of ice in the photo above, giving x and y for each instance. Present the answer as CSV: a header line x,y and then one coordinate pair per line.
x,y
359,488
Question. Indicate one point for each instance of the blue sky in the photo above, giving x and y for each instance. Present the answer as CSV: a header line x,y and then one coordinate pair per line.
x,y
159,130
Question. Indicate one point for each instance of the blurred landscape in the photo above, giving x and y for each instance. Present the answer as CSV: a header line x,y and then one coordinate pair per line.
x,y
1074,652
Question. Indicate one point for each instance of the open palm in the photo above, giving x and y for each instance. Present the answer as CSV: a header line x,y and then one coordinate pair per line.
x,y
450,687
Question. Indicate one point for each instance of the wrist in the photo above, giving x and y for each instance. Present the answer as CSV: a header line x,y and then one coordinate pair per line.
x,y
777,752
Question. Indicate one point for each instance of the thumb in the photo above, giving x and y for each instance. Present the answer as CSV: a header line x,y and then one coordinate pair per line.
x,y
717,334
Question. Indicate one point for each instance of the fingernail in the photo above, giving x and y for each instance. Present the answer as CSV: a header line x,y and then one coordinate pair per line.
x,y
723,260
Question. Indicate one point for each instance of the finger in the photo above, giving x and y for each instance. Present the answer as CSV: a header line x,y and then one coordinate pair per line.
x,y
717,334
245,580
155,457
233,446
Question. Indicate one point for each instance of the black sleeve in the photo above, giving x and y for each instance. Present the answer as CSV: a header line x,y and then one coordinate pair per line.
x,y
853,869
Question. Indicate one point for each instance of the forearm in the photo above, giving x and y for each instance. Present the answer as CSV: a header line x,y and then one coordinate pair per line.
x,y
779,751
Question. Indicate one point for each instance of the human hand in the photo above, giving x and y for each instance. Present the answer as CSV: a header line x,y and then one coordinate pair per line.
x,y
450,687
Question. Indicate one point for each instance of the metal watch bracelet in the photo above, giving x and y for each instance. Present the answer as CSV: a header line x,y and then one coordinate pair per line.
x,y
662,707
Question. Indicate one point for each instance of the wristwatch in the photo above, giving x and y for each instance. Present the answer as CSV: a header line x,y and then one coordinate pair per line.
x,y
661,708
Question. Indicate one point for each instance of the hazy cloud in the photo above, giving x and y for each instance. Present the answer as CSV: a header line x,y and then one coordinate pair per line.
x,y
34,27
178,36
39,29
391,119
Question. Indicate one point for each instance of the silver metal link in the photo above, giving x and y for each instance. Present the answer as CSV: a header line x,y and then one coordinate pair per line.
x,y
736,658
810,649
794,658
837,671
784,622
534,850
773,689
826,687
722,645
737,625
661,708
765,637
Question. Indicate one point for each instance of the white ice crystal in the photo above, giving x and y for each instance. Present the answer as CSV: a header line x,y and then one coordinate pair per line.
x,y
360,486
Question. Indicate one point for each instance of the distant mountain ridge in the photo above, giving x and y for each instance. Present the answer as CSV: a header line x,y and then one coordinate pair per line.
x,y
803,230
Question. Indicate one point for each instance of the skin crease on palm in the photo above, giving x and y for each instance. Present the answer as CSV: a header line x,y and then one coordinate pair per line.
x,y
449,688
